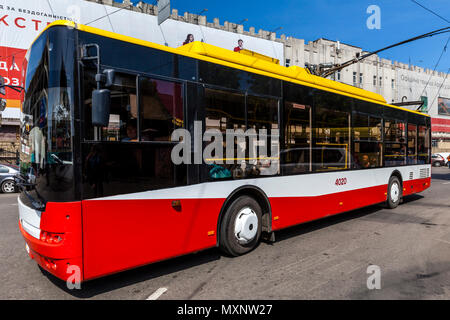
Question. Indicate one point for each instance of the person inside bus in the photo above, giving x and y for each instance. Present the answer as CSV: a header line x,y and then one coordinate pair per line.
x,y
131,131
373,161
240,46
189,39
365,162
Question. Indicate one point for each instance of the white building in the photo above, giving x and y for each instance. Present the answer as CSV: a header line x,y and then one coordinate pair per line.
x,y
395,81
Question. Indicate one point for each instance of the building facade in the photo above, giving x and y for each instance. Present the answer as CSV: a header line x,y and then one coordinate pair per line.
x,y
395,81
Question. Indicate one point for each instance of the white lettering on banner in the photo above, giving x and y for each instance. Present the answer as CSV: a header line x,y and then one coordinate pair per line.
x,y
30,17
12,81
4,66
22,23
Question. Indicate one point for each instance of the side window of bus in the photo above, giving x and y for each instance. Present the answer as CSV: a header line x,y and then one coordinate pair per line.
x,y
367,144
412,144
423,145
161,109
262,117
224,110
394,142
297,155
332,134
123,110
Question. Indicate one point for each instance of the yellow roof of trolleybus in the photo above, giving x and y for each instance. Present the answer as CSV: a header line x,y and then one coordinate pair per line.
x,y
251,63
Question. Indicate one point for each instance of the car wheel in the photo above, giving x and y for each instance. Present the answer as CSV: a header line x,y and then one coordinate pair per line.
x,y
241,226
8,186
437,164
394,194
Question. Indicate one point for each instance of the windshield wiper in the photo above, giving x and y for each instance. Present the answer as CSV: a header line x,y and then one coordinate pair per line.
x,y
22,183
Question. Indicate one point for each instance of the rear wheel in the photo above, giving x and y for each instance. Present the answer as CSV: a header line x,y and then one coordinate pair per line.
x,y
240,230
394,192
437,164
8,186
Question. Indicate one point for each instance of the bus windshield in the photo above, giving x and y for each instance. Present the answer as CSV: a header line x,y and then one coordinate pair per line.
x,y
46,131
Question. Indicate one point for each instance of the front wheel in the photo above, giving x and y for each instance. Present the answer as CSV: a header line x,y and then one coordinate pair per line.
x,y
240,230
8,186
394,194
437,164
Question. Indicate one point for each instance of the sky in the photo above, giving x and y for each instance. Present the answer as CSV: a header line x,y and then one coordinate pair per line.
x,y
345,21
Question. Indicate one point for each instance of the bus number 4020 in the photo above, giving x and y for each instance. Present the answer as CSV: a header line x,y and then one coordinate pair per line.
x,y
341,181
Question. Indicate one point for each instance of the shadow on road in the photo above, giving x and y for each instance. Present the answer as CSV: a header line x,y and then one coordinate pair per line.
x,y
126,278
440,176
113,282
336,219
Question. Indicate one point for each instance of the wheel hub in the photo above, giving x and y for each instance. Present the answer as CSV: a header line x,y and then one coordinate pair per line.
x,y
246,225
8,187
395,192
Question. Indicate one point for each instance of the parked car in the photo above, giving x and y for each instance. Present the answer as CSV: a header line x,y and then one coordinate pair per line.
x,y
444,155
437,160
7,173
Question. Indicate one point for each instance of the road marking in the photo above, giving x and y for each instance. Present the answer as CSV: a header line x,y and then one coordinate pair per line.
x,y
447,242
158,293
446,183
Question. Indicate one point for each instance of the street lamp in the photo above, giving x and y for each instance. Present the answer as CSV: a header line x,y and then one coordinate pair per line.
x,y
274,30
239,23
199,14
242,21
204,10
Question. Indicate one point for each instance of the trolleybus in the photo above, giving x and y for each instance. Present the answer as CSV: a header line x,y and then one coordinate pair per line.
x,y
100,190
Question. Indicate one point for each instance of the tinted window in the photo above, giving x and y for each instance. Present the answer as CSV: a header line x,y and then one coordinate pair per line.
x,y
222,76
367,145
122,168
218,75
395,142
48,112
412,144
262,117
123,110
225,110
161,105
297,138
121,54
423,145
115,159
332,132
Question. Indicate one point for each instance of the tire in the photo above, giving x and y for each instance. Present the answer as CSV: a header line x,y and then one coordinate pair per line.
x,y
394,194
437,164
242,214
8,186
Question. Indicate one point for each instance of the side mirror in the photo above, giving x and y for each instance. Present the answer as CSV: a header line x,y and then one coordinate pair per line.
x,y
101,101
106,78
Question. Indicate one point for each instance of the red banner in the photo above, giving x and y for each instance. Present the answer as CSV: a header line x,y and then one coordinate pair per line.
x,y
11,60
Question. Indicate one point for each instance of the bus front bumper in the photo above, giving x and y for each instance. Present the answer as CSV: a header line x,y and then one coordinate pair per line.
x,y
54,240
44,254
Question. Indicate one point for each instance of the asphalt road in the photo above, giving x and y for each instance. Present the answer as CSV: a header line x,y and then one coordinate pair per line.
x,y
326,259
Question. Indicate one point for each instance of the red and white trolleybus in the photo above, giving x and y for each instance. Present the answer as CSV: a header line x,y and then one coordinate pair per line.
x,y
100,190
